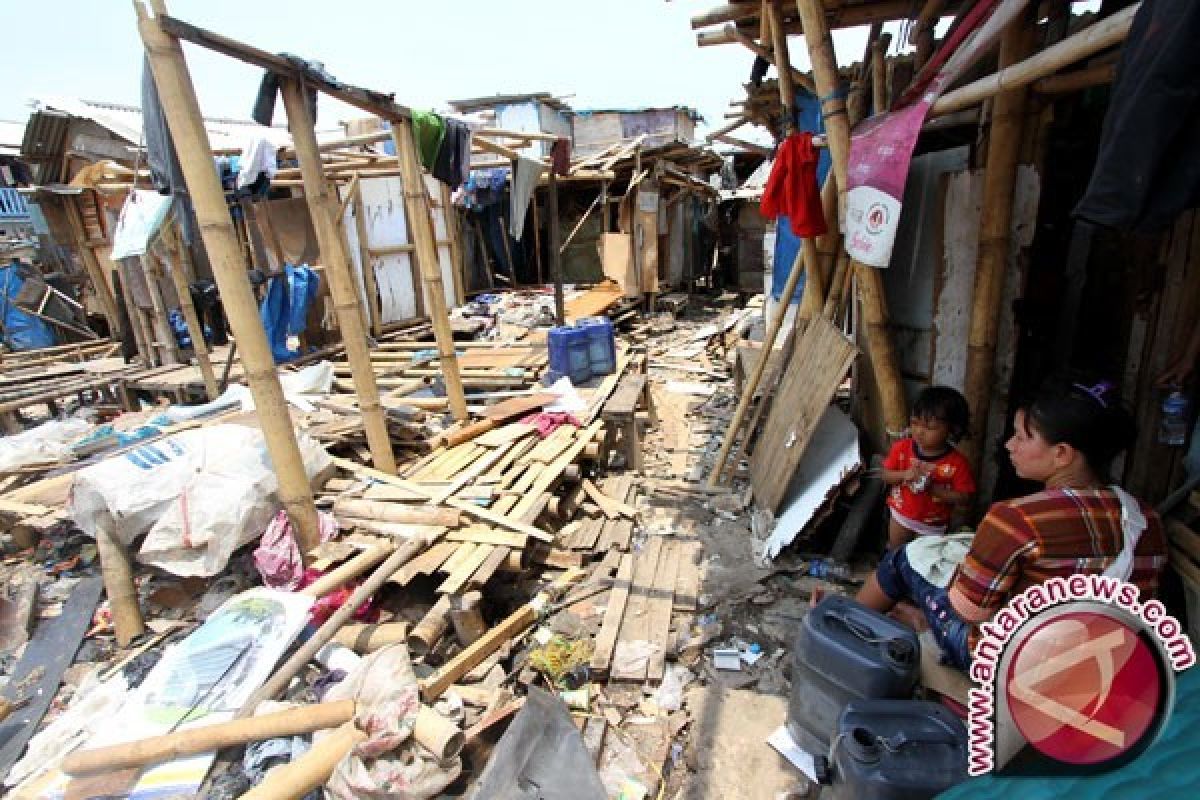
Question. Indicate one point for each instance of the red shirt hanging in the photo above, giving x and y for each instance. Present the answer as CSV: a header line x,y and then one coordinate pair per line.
x,y
792,187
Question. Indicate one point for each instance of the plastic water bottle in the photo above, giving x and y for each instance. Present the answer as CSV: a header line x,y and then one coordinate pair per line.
x,y
830,570
1172,424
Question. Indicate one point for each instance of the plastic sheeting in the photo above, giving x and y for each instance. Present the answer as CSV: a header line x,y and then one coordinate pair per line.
x,y
284,310
22,331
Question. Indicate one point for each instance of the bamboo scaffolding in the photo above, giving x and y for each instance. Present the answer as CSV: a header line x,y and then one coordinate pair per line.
x,y
177,271
182,110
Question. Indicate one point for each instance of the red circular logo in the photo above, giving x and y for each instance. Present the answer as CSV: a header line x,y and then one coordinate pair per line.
x,y
1085,688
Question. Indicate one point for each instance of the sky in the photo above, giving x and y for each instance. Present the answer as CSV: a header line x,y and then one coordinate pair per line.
x,y
613,53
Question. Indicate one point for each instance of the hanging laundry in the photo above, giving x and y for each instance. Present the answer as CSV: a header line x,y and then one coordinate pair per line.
x,y
264,103
285,307
428,130
792,187
560,156
526,172
258,158
453,162
1148,169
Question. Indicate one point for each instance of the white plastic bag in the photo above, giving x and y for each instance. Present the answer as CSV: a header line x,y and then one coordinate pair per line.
x,y
197,495
50,441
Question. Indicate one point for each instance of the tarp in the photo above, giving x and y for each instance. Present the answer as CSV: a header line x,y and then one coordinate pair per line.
x,y
22,331
284,310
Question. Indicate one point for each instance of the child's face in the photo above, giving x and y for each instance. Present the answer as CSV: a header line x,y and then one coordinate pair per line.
x,y
930,433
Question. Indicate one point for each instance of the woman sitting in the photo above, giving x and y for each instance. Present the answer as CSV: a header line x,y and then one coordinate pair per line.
x,y
1066,439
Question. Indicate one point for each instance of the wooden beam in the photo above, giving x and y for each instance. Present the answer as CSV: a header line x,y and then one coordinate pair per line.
x,y
199,345
1076,80
783,64
178,98
378,103
842,17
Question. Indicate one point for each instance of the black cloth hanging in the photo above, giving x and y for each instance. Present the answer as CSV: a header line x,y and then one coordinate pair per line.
x,y
1148,166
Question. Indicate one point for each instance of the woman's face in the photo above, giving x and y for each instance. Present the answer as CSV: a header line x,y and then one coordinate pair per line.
x,y
1032,456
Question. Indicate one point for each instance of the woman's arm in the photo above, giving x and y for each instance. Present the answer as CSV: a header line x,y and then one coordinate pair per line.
x,y
1003,544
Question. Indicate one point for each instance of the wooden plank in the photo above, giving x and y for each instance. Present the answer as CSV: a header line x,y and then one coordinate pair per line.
x,y
816,369
635,627
41,668
488,568
425,563
466,568
624,401
659,606
506,434
464,551
553,470
614,615
488,536
612,508
687,582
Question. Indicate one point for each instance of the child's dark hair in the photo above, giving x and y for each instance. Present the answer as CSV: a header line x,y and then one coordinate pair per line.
x,y
1087,415
945,404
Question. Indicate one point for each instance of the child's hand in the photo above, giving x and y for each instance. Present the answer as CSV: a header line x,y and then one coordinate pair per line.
x,y
917,470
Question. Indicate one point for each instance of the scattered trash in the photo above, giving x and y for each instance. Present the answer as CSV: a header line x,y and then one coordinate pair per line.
x,y
727,658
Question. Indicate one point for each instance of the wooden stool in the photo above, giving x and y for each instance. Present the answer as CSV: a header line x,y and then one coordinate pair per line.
x,y
620,414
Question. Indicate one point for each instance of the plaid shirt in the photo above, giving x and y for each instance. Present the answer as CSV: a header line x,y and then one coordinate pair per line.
x,y
1054,533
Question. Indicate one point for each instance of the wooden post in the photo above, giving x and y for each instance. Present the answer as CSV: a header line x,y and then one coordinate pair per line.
x,y
879,92
117,569
145,350
882,352
560,314
368,267
164,337
995,235
416,201
91,264
199,345
322,206
178,98
783,67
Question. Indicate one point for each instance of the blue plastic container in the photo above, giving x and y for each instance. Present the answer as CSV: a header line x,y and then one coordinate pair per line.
x,y
568,347
602,345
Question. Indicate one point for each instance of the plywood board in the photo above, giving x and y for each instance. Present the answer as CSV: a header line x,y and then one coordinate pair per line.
x,y
635,627
817,367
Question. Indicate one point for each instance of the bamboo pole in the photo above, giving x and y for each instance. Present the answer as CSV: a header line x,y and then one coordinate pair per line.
x,y
322,206
1087,42
199,345
283,676
882,352
454,242
416,202
117,570
555,255
783,67
168,747
879,92
752,382
798,77
995,236
182,110
310,771
132,311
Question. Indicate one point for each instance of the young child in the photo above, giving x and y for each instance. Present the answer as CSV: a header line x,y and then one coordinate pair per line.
x,y
927,475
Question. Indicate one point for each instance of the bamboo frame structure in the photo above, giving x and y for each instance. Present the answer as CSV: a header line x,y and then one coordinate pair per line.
x,y
995,237
882,352
182,110
322,207
420,224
